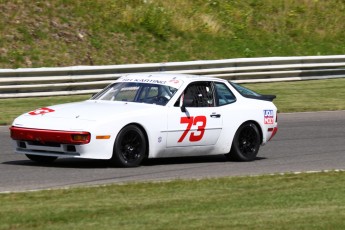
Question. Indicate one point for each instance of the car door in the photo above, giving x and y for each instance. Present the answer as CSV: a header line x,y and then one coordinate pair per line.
x,y
198,122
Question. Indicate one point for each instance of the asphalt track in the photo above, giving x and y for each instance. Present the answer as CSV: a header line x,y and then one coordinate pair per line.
x,y
305,142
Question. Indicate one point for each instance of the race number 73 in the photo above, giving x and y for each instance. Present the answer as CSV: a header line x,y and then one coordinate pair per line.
x,y
199,121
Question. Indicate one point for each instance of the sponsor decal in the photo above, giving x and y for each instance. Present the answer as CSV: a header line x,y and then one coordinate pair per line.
x,y
153,81
268,117
41,111
174,81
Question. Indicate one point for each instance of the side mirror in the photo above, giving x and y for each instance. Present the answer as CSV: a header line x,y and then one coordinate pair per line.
x,y
185,102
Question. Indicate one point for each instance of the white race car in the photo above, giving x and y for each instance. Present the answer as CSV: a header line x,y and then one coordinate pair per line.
x,y
151,116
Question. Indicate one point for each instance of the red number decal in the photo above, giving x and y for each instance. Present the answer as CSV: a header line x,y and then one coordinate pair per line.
x,y
189,121
201,128
193,121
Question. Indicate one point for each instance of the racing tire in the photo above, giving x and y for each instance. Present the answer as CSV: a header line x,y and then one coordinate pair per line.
x,y
41,159
130,147
246,143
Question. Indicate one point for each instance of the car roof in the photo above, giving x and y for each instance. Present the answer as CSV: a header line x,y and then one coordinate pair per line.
x,y
169,77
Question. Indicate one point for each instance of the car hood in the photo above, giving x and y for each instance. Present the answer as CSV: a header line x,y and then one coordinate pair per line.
x,y
77,116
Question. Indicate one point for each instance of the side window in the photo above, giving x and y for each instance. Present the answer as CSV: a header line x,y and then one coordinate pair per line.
x,y
199,94
224,95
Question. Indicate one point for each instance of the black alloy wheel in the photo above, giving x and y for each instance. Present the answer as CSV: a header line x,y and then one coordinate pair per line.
x,y
130,147
246,143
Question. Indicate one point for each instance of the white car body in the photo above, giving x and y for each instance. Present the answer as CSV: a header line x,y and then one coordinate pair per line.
x,y
212,129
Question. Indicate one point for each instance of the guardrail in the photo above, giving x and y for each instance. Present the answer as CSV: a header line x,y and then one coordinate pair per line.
x,y
34,82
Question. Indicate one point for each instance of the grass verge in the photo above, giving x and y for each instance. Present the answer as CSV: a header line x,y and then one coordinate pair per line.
x,y
298,96
303,201
11,108
303,96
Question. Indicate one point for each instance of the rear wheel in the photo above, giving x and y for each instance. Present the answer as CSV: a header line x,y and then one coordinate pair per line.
x,y
41,159
130,147
246,143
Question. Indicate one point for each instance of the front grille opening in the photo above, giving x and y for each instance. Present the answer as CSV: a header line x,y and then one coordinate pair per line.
x,y
71,148
22,145
38,143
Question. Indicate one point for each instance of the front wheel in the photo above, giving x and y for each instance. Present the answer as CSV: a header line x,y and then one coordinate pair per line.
x,y
41,159
130,147
246,143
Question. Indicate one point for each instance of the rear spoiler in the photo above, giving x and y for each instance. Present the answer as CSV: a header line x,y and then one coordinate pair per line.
x,y
268,97
261,97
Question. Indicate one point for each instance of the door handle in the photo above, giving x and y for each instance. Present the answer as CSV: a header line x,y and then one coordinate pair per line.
x,y
215,115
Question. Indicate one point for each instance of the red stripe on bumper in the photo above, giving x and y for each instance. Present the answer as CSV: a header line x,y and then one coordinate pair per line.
x,y
43,135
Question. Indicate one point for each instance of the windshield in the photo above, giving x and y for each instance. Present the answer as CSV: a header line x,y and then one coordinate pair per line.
x,y
137,92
